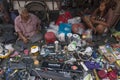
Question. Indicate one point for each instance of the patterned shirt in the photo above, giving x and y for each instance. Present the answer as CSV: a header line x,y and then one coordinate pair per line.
x,y
28,28
107,18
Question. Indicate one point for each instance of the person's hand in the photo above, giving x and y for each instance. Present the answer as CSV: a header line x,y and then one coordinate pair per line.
x,y
118,38
37,31
1,72
25,40
94,30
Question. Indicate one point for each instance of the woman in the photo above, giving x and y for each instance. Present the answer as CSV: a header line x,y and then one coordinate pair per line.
x,y
101,18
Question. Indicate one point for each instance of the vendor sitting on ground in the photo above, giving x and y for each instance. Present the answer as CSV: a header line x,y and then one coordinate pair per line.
x,y
27,26
101,18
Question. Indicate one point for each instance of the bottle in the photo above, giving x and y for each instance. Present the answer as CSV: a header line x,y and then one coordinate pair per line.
x,y
56,46
89,35
69,37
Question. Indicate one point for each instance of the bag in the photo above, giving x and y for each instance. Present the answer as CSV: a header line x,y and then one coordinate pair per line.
x,y
9,38
63,18
112,75
8,35
36,37
74,20
102,74
64,28
78,28
92,65
50,37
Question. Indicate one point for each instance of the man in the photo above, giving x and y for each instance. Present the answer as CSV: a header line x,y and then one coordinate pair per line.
x,y
27,26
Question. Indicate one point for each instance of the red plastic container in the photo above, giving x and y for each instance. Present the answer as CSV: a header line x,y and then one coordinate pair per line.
x,y
50,37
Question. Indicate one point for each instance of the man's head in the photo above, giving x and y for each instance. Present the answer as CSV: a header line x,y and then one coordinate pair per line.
x,y
24,13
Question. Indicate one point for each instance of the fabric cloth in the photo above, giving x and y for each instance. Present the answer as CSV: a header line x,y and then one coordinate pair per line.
x,y
7,33
28,28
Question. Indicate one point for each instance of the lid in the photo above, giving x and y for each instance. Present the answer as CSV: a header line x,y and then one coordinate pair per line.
x,y
34,49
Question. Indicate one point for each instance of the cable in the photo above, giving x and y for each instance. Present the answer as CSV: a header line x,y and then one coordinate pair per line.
x,y
37,73
83,59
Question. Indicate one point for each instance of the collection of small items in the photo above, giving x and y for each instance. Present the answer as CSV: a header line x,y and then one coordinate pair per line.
x,y
74,55
64,56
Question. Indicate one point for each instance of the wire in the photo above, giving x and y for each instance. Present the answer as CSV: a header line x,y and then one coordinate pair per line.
x,y
83,59
37,74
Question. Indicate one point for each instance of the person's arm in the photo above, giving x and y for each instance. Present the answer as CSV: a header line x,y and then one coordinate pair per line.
x,y
25,40
110,17
92,19
93,16
89,23
108,21
20,34
101,22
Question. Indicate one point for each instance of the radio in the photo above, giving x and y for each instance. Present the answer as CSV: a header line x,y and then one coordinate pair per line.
x,y
62,67
52,65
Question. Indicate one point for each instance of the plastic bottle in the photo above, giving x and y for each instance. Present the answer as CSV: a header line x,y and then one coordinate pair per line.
x,y
56,46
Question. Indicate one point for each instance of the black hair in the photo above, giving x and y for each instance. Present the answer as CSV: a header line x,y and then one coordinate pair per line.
x,y
112,4
106,8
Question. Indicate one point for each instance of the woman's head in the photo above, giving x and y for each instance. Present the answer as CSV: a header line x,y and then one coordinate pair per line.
x,y
102,6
